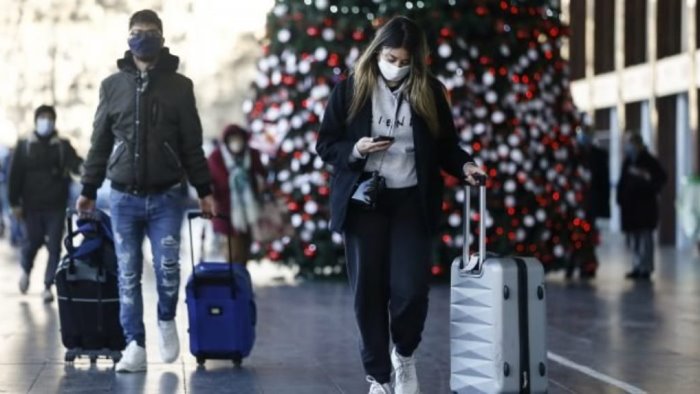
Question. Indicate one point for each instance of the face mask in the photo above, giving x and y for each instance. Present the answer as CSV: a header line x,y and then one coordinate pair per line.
x,y
391,72
145,46
44,126
235,145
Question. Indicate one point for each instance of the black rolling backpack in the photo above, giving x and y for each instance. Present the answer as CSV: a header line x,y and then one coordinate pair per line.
x,y
88,294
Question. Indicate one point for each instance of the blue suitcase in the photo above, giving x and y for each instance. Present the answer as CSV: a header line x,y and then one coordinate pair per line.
x,y
220,307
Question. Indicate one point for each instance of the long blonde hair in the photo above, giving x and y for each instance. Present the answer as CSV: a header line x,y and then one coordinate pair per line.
x,y
399,32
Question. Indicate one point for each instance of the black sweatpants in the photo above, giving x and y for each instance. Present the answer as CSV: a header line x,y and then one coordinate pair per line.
x,y
388,256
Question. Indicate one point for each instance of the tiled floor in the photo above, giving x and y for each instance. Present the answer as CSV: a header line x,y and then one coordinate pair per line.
x,y
627,337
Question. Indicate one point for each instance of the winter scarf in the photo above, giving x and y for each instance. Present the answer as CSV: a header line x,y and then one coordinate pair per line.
x,y
244,206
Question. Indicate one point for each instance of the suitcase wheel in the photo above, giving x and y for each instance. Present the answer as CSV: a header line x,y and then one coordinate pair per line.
x,y
237,360
116,356
93,359
201,360
69,357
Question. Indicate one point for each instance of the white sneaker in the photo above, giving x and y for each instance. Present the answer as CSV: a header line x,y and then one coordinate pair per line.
x,y
168,341
47,296
133,359
378,388
23,282
405,377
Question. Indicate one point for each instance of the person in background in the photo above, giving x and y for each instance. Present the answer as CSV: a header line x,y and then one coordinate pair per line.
x,y
147,137
40,175
237,179
641,181
391,120
596,201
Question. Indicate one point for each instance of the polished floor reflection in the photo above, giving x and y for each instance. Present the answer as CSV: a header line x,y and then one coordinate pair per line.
x,y
605,336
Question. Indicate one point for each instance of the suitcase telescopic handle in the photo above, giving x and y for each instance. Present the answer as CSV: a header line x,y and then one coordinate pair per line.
x,y
225,218
467,265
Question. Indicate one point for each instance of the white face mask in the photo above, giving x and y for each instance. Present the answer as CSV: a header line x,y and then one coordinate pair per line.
x,y
44,126
391,72
235,145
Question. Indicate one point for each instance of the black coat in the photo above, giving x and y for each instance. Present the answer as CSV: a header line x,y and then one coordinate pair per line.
x,y
598,196
336,139
40,173
638,196
166,145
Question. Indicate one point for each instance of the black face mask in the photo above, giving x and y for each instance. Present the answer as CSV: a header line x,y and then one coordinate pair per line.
x,y
145,46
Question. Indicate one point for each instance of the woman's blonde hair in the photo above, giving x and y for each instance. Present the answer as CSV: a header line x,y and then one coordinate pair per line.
x,y
399,32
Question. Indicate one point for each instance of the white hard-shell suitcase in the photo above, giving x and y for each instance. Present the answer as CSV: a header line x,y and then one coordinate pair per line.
x,y
497,319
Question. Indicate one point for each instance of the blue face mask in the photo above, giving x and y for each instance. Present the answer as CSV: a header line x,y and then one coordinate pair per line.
x,y
145,46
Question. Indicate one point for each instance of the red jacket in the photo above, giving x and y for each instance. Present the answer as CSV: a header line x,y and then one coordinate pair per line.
x,y
220,183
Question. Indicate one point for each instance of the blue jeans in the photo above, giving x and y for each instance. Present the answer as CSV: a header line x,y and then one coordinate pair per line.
x,y
158,216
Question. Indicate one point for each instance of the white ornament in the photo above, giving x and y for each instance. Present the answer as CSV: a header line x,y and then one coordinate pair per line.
x,y
328,34
454,220
488,79
445,50
311,207
321,54
491,97
498,117
284,35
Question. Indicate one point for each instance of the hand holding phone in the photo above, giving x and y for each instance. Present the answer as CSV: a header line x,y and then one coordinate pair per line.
x,y
383,138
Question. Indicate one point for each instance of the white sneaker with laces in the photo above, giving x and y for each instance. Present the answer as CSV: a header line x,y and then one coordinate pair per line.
x,y
405,377
23,282
47,296
168,341
133,359
378,388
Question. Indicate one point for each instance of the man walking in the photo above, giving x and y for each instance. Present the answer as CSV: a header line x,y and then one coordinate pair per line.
x,y
147,137
641,181
40,175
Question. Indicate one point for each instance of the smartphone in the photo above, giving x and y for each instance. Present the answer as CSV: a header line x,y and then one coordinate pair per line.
x,y
382,138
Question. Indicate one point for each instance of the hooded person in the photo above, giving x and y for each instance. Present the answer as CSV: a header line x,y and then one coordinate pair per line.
x,y
237,173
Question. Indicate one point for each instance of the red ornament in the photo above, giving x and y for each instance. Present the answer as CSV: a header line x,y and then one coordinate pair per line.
x,y
334,60
446,32
437,270
288,80
554,32
310,251
481,10
274,255
323,191
292,206
328,22
358,35
312,31
447,239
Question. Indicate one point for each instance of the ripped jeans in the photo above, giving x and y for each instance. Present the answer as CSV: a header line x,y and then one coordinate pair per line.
x,y
159,217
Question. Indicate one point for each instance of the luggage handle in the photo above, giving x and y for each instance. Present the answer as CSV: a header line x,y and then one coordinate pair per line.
x,y
198,214
467,264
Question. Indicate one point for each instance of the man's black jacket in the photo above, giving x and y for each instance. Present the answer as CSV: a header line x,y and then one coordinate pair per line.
x,y
40,173
147,141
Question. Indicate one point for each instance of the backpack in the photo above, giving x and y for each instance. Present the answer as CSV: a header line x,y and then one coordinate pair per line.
x,y
97,246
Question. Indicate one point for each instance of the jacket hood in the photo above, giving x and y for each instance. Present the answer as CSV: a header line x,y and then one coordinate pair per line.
x,y
167,62
233,129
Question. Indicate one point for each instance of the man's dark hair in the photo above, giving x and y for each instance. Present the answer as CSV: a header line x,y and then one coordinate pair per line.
x,y
636,138
44,109
146,16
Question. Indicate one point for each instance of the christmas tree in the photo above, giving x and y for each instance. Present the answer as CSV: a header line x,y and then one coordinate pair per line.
x,y
501,64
